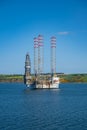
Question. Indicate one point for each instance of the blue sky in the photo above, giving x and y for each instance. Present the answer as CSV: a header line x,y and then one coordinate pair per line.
x,y
22,20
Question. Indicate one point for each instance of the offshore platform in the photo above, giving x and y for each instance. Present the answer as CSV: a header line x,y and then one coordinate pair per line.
x,y
40,80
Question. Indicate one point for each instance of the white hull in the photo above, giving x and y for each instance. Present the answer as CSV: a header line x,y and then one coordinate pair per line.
x,y
50,85
43,86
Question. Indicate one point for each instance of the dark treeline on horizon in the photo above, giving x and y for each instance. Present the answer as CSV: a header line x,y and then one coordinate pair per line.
x,y
64,78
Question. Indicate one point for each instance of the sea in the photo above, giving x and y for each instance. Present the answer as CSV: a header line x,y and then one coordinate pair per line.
x,y
43,109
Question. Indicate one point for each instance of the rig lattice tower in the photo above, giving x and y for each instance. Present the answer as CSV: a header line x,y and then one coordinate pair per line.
x,y
27,69
27,64
53,55
40,54
35,55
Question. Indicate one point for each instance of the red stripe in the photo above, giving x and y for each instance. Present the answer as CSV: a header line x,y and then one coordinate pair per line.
x,y
40,44
35,46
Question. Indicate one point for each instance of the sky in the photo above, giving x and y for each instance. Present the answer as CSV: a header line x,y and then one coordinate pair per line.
x,y
22,20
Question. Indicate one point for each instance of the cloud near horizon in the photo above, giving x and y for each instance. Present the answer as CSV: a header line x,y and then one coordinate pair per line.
x,y
63,33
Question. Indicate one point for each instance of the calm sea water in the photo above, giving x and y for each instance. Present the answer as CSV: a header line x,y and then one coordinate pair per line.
x,y
23,109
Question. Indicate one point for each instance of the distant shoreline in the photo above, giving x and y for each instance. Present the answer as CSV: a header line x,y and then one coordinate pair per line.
x,y
11,81
11,78
64,78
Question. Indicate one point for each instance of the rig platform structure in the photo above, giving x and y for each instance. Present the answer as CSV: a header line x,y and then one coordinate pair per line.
x,y
40,80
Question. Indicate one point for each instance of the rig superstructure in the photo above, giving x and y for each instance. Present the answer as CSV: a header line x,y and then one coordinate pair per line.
x,y
39,80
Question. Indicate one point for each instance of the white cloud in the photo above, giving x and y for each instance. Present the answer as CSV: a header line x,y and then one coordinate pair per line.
x,y
63,33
